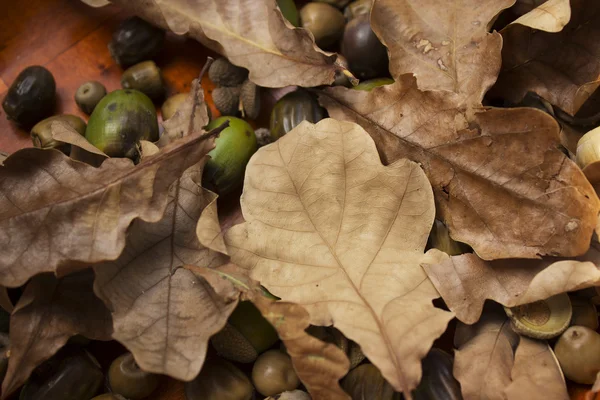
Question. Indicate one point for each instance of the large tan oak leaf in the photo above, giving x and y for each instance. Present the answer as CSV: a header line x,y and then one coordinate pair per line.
x,y
163,313
252,33
332,229
445,44
500,182
466,281
563,68
57,214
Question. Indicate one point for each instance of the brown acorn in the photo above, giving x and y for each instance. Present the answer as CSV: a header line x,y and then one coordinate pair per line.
x,y
250,99
224,73
227,100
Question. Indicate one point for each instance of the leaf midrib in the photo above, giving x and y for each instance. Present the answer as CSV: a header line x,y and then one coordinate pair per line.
x,y
367,305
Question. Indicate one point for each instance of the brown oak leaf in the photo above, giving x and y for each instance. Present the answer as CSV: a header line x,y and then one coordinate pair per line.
x,y
484,356
480,162
563,68
48,313
57,214
251,33
446,45
332,229
536,374
319,365
191,116
163,313
466,281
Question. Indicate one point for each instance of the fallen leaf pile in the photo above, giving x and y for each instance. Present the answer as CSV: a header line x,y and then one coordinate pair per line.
x,y
336,214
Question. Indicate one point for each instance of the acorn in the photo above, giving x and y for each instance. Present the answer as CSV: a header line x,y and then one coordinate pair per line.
x,y
227,100
145,77
578,353
41,133
274,373
224,73
250,99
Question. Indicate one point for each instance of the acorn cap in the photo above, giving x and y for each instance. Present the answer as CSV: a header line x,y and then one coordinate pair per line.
x,y
542,319
227,100
250,99
224,73
232,345
246,335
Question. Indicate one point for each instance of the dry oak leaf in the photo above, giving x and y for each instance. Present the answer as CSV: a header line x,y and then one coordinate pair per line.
x,y
191,116
48,313
563,68
65,133
332,229
57,214
550,16
163,313
484,359
500,182
536,374
445,44
319,365
466,281
251,33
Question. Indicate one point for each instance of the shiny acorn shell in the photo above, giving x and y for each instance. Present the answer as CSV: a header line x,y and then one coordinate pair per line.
x,y
367,56
120,121
145,77
69,375
438,382
41,133
274,373
126,378
324,21
170,106
224,171
246,335
219,380
578,353
135,40
292,109
31,97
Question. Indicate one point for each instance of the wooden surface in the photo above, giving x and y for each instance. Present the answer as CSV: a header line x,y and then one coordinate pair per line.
x,y
70,39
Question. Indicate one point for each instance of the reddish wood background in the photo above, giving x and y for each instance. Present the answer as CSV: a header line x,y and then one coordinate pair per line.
x,y
70,39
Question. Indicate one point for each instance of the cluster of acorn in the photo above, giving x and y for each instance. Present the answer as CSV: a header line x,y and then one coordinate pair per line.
x,y
235,93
